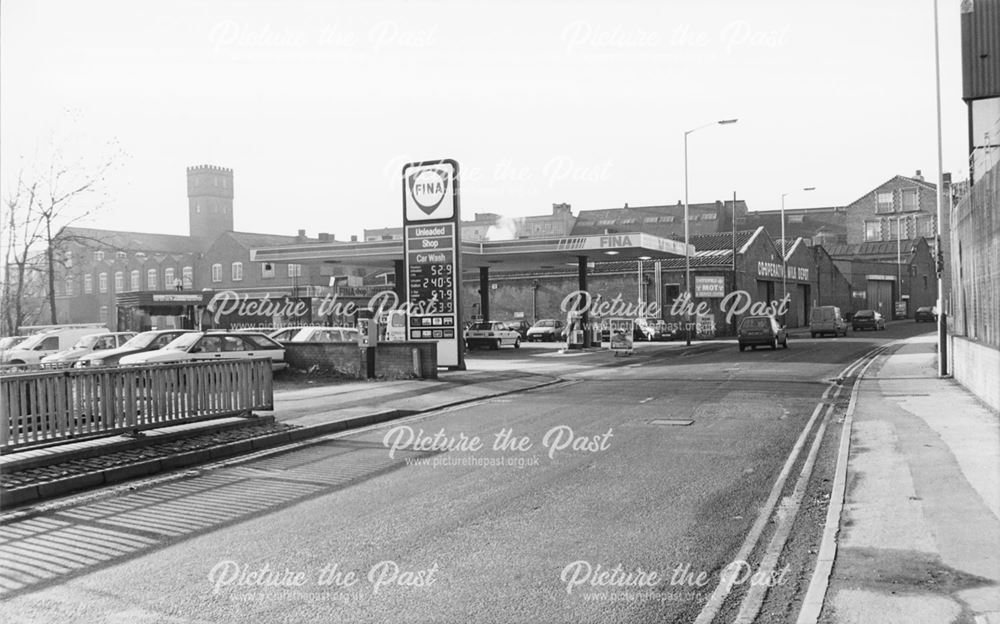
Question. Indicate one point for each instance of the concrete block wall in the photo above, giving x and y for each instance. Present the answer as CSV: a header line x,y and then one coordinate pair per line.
x,y
394,360
977,367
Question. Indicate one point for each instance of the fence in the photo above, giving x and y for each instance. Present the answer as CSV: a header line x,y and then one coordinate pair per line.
x,y
39,407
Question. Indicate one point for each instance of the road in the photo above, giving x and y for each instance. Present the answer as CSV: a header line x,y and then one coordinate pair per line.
x,y
617,496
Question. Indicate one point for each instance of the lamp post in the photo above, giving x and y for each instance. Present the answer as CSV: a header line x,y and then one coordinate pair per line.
x,y
687,236
784,252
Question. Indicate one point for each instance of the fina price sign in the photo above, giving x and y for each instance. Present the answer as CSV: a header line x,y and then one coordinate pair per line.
x,y
432,242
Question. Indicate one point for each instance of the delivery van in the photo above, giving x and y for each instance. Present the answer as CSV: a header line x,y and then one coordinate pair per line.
x,y
827,320
37,346
392,326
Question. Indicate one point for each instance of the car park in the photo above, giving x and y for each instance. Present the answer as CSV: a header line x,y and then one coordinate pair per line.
x,y
325,334
140,343
491,334
213,346
926,314
759,331
546,330
827,320
867,319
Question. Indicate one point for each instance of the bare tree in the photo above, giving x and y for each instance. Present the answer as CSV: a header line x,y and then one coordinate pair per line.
x,y
40,207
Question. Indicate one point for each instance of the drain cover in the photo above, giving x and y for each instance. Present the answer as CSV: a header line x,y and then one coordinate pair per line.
x,y
671,422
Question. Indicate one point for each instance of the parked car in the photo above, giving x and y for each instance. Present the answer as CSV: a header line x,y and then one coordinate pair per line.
x,y
925,314
867,319
827,320
284,334
655,329
37,346
91,343
491,334
325,334
198,346
521,327
546,330
140,343
755,331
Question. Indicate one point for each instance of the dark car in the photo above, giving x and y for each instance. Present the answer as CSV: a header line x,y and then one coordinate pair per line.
x,y
547,330
867,319
146,341
755,331
925,313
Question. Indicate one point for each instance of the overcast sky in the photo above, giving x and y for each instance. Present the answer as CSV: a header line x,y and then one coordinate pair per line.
x,y
316,105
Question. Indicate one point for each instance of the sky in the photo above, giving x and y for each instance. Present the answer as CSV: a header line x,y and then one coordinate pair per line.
x,y
316,105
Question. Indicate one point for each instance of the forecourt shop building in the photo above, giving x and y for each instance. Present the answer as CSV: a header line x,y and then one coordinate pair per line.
x,y
531,279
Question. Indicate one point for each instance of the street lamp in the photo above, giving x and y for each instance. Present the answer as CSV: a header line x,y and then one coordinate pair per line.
x,y
784,252
687,236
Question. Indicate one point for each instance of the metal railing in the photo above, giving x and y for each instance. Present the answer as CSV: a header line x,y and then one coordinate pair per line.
x,y
52,406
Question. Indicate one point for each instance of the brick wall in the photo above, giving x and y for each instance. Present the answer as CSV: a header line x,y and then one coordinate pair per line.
x,y
393,360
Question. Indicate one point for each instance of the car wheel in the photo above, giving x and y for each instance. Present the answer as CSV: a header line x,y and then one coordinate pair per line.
x,y
813,334
784,343
496,345
517,343
774,344
742,348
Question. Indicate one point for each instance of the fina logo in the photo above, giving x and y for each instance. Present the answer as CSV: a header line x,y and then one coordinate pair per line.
x,y
428,188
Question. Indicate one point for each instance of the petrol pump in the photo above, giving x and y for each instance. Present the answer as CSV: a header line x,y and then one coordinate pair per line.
x,y
574,329
367,340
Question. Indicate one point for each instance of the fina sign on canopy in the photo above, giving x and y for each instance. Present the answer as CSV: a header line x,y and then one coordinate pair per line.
x,y
429,191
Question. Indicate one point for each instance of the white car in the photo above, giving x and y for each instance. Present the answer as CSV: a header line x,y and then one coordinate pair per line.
x,y
89,344
211,346
325,334
491,334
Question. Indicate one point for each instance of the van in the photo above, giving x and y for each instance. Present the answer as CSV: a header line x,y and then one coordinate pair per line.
x,y
35,347
393,324
827,320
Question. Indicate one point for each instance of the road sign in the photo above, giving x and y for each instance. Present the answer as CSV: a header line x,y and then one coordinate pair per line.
x,y
432,242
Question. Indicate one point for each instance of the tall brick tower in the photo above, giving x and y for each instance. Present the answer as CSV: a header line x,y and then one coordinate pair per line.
x,y
210,200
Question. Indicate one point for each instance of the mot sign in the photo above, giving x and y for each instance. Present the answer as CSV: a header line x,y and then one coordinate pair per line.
x,y
706,286
432,242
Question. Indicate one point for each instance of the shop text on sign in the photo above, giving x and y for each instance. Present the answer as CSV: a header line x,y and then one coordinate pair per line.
x,y
773,269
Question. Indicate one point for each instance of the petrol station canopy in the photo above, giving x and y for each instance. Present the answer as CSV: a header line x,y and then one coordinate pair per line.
x,y
521,255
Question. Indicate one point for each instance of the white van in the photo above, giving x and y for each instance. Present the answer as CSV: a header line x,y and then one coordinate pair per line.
x,y
393,323
35,347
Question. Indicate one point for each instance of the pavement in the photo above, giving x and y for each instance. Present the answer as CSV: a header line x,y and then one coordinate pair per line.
x,y
307,412
919,531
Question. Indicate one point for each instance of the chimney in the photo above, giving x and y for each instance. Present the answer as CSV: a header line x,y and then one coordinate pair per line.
x,y
323,237
918,176
626,205
354,238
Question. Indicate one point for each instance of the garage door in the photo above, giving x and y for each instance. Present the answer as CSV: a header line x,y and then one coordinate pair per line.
x,y
880,296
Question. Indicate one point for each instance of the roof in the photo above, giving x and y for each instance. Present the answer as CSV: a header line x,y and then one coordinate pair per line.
x,y
895,178
801,222
251,239
723,241
662,221
143,241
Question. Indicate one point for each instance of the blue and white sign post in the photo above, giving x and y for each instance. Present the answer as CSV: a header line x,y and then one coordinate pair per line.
x,y
432,242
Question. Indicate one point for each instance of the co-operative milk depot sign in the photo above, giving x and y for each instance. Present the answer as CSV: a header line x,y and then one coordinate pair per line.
x,y
431,242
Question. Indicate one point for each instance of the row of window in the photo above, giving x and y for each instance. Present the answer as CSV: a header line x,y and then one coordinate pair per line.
x,y
898,200
266,271
170,280
890,229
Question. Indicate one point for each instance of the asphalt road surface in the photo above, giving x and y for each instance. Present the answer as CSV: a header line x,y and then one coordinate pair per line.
x,y
617,496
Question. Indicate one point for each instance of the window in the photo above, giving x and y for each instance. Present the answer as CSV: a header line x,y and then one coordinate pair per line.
x,y
884,202
873,230
140,255
667,219
69,258
910,199
120,255
796,218
709,216
104,313
927,227
187,276
98,256
102,282
151,279
168,277
605,222
267,270
134,280
237,271
69,286
294,270
216,272
88,284
119,281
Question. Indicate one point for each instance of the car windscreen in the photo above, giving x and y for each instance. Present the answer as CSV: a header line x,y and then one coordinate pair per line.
x,y
482,327
863,314
755,323
183,341
140,341
86,341
545,323
261,341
